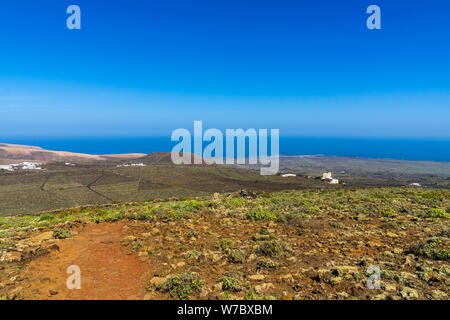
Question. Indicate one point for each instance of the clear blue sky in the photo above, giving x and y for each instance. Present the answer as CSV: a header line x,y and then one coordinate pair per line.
x,y
309,68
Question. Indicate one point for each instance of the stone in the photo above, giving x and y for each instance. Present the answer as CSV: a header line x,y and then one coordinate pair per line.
x,y
16,292
407,262
257,277
11,256
287,278
129,239
391,235
438,295
342,295
263,287
142,254
204,293
52,247
335,280
252,257
390,287
292,259
157,281
218,287
344,270
381,296
155,232
409,293
42,237
388,254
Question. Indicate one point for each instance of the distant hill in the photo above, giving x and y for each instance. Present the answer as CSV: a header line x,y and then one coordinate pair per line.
x,y
13,153
163,158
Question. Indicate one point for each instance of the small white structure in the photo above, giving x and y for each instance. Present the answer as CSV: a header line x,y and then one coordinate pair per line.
x,y
288,175
7,167
69,164
23,166
31,166
334,181
415,184
132,165
327,177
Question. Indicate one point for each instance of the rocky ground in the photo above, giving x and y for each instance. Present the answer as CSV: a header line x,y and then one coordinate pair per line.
x,y
284,245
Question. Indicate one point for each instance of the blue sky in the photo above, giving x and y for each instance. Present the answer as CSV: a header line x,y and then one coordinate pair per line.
x,y
143,68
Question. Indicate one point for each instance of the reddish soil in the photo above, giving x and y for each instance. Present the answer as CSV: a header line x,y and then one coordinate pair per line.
x,y
105,266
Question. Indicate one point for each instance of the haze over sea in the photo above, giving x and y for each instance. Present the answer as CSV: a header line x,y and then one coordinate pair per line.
x,y
404,149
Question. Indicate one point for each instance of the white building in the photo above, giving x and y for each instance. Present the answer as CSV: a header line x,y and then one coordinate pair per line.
x,y
132,165
23,166
415,184
327,177
287,175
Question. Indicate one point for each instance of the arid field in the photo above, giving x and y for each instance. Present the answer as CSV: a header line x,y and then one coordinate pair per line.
x,y
297,244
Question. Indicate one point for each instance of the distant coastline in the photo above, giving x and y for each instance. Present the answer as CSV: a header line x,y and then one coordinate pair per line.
x,y
399,149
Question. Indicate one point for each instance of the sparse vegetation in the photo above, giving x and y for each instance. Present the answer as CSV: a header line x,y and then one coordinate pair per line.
x,y
266,263
193,254
435,213
434,248
182,286
272,248
318,246
262,214
231,283
236,256
250,294
337,225
225,244
61,234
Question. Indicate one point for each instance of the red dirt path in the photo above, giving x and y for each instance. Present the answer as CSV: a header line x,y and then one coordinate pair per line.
x,y
105,267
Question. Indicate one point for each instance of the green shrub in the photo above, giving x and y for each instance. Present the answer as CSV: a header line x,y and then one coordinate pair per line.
x,y
61,234
46,217
182,286
433,249
193,205
192,234
143,215
388,213
231,283
4,245
225,244
250,294
174,214
337,225
139,245
264,232
272,248
435,213
236,256
261,214
193,254
113,217
266,263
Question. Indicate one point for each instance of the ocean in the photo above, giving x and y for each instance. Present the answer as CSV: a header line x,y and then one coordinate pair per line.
x,y
403,149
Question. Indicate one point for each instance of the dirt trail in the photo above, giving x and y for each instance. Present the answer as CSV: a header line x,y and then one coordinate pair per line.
x,y
108,270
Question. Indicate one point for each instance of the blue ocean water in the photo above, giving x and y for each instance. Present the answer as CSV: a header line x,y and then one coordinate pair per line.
x,y
405,149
